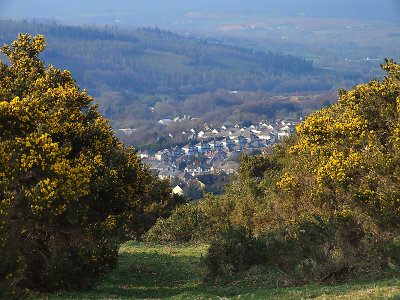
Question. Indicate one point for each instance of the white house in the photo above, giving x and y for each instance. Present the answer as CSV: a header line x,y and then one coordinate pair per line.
x,y
177,190
164,121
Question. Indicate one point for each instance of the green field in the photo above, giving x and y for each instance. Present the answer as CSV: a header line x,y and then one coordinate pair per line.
x,y
173,272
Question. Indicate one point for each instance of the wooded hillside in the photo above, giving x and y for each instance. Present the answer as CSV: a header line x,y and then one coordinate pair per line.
x,y
129,72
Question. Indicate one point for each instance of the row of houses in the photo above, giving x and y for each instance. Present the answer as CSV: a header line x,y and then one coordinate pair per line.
x,y
263,131
170,170
228,140
218,154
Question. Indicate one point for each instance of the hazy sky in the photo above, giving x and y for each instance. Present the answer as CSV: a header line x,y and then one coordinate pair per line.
x,y
166,12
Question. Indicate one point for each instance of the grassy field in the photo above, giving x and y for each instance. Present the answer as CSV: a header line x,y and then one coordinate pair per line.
x,y
155,272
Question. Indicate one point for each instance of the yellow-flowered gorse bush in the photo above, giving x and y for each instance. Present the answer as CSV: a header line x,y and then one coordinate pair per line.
x,y
350,150
331,200
68,187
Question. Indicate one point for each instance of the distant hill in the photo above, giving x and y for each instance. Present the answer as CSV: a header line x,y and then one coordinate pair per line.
x,y
153,61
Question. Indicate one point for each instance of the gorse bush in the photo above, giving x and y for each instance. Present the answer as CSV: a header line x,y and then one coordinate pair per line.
x,y
347,155
66,182
69,190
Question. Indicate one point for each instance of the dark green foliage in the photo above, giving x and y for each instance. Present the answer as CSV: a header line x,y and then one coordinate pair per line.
x,y
195,221
392,248
234,249
255,166
310,250
185,224
158,203
194,190
215,183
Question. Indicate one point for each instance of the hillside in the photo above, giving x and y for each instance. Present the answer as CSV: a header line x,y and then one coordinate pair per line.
x,y
152,61
128,72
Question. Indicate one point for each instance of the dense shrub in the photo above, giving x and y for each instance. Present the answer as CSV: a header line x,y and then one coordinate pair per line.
x,y
234,249
187,223
68,187
195,221
182,226
311,250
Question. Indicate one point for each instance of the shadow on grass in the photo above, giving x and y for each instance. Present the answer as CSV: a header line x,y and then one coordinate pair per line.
x,y
150,274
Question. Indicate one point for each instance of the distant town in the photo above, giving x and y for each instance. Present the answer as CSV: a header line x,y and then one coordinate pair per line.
x,y
217,151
